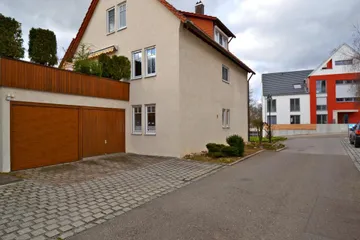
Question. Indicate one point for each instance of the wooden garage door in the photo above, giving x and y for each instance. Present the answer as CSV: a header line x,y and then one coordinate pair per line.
x,y
43,135
103,131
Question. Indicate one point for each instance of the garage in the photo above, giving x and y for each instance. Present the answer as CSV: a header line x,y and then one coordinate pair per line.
x,y
103,131
44,134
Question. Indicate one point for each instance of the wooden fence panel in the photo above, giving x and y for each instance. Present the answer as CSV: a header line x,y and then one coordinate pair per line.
x,y
25,75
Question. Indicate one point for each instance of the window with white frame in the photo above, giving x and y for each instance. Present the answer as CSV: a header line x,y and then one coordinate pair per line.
x,y
137,116
226,118
137,64
110,20
295,119
150,119
225,73
150,61
122,15
294,104
221,38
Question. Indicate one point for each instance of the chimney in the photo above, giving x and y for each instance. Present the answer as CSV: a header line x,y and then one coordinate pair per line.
x,y
200,8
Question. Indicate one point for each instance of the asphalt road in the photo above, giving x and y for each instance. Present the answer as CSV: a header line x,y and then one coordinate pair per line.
x,y
309,191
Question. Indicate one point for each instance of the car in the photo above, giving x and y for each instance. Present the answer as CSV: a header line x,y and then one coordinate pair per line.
x,y
354,135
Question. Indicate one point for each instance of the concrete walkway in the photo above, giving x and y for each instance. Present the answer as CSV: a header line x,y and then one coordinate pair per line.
x,y
62,200
309,191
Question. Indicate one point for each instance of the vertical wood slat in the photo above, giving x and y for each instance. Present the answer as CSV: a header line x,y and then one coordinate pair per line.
x,y
25,75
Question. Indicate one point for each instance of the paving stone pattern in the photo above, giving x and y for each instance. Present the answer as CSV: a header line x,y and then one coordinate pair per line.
x,y
69,199
353,152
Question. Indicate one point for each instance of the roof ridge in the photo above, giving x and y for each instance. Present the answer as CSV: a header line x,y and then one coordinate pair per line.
x,y
76,41
198,14
305,70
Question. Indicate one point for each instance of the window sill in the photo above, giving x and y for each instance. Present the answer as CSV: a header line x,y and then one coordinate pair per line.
x,y
123,28
226,127
110,33
227,82
136,134
150,134
150,75
136,78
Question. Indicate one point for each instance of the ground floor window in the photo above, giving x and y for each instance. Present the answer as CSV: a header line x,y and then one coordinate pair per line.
x,y
321,119
150,119
295,119
271,120
136,119
226,118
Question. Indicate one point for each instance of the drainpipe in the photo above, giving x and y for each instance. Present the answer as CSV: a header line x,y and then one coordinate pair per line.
x,y
248,96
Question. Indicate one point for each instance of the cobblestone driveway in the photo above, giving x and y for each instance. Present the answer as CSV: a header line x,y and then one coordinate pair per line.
x,y
63,200
353,152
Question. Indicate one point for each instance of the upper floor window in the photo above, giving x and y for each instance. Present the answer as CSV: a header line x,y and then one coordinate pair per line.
x,y
295,105
136,64
345,82
110,20
221,38
321,86
150,61
271,107
321,103
225,73
122,15
344,62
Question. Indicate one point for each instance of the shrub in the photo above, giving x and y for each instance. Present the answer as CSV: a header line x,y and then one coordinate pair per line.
x,y
237,142
88,66
10,38
115,67
230,151
214,147
216,155
42,47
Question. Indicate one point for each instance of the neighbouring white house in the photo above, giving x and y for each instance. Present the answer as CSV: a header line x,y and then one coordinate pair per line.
x,y
186,88
290,100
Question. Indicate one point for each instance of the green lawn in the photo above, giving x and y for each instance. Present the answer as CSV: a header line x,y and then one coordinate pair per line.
x,y
273,139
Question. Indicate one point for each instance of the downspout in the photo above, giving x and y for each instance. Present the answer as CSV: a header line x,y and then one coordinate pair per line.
x,y
248,97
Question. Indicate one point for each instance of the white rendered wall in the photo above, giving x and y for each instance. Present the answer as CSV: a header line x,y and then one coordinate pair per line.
x,y
283,109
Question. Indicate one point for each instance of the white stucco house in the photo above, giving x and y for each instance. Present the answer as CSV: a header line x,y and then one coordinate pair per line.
x,y
186,88
290,102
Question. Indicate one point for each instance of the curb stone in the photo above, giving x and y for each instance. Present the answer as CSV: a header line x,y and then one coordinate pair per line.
x,y
281,149
244,158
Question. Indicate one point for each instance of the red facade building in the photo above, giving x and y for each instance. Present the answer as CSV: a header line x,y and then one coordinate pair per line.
x,y
333,97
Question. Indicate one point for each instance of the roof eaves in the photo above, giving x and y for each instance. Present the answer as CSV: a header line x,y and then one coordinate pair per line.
x,y
189,25
76,41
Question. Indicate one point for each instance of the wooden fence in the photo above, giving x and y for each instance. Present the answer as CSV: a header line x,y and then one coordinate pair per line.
x,y
294,127
25,75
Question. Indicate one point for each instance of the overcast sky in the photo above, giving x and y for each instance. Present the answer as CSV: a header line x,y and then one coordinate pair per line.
x,y
272,35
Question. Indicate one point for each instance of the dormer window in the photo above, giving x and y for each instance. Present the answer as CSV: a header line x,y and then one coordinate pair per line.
x,y
221,38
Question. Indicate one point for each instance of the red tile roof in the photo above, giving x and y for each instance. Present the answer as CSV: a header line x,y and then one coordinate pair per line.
x,y
197,15
179,14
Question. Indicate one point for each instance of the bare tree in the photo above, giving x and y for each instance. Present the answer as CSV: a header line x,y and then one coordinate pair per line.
x,y
255,108
256,120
